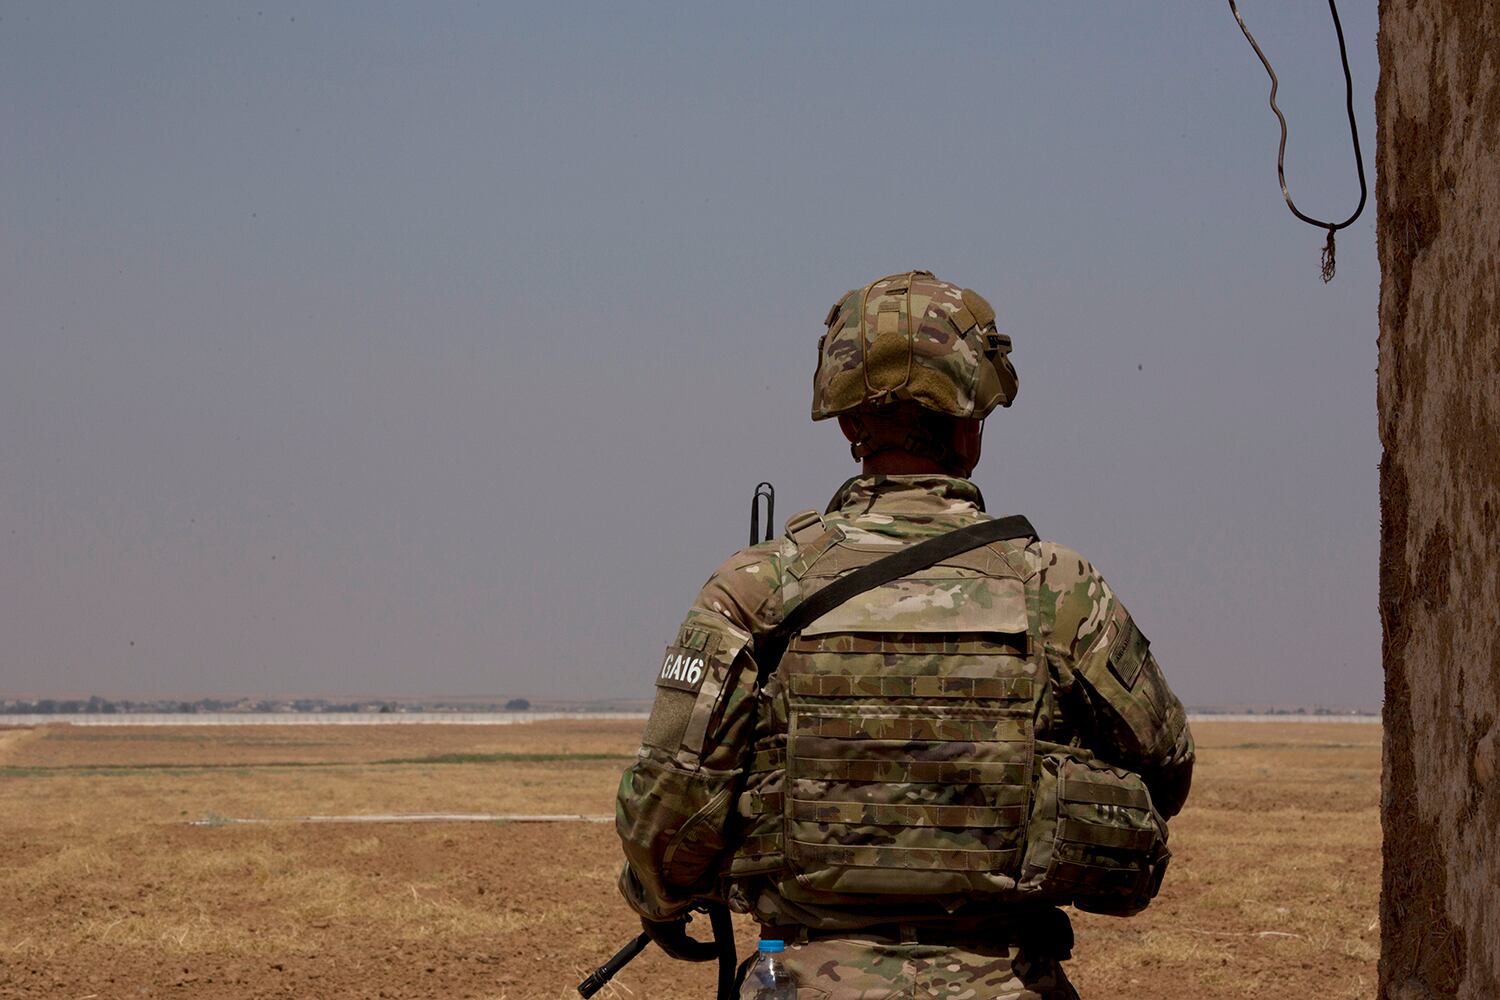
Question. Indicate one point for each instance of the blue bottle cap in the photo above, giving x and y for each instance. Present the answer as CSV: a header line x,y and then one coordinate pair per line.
x,y
772,945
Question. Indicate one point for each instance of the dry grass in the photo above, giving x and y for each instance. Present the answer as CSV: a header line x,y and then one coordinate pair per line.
x,y
153,746
1272,892
1274,885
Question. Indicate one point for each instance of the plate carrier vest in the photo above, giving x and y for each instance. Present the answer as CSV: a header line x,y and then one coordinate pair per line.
x,y
897,752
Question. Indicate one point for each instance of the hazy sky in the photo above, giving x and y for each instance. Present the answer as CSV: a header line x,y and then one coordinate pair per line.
x,y
356,348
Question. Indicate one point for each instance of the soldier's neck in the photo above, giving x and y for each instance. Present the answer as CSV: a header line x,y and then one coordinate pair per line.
x,y
902,463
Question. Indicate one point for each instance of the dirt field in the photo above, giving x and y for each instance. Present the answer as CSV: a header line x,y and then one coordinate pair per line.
x,y
107,891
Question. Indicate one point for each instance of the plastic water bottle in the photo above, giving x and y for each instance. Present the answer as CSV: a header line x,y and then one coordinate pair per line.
x,y
769,978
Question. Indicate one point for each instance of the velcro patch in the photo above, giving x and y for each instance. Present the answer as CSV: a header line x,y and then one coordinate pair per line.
x,y
683,669
1127,653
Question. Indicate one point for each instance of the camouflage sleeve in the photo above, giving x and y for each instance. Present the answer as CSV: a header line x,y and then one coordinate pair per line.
x,y
675,802
1096,647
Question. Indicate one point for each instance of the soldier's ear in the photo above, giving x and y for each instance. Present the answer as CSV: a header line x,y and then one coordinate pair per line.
x,y
850,426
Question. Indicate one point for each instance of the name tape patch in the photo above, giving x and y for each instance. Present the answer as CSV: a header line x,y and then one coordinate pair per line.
x,y
683,669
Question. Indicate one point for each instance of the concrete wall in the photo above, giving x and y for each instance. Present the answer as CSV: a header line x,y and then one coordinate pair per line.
x,y
1438,199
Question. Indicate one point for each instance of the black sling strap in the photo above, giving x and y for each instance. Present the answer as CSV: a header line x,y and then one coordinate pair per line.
x,y
892,567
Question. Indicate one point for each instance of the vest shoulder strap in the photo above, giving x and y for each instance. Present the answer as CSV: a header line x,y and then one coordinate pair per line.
x,y
892,567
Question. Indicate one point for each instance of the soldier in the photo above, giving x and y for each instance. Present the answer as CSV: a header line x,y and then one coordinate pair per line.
x,y
908,793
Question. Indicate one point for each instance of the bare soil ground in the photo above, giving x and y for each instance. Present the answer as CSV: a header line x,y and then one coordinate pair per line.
x,y
106,891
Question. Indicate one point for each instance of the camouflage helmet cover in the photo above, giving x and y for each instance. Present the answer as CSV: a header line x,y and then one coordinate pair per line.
x,y
914,337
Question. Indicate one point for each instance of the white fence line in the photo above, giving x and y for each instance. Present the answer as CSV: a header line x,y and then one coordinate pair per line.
x,y
305,718
456,718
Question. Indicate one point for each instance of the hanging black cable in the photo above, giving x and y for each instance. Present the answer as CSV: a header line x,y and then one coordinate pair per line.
x,y
1359,160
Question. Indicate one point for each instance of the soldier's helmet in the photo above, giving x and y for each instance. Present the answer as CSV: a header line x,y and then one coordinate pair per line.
x,y
913,337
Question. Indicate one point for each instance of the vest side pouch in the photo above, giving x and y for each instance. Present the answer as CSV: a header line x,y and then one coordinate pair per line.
x,y
1094,839
758,816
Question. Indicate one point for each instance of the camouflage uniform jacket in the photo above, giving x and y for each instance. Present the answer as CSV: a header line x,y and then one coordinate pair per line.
x,y
676,805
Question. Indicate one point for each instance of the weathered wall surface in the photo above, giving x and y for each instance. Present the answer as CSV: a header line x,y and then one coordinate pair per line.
x,y
1438,198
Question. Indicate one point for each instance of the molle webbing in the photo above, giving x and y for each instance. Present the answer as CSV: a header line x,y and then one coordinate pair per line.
x,y
909,859
844,686
907,769
1108,844
899,758
892,567
904,730
923,768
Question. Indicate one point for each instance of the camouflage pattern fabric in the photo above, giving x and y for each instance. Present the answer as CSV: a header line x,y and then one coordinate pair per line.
x,y
858,968
913,337
685,805
908,736
1094,840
